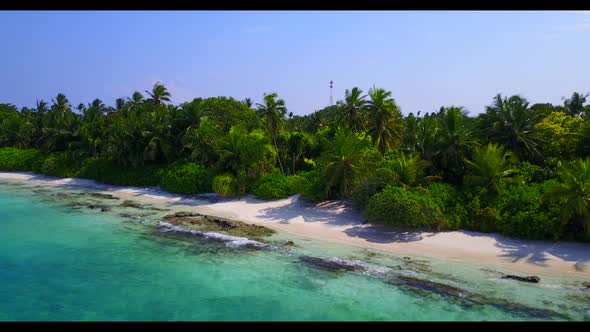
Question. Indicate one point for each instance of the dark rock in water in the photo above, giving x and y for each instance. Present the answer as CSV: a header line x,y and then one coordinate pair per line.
x,y
531,279
103,196
183,214
431,286
132,204
333,264
289,243
103,208
586,286
469,299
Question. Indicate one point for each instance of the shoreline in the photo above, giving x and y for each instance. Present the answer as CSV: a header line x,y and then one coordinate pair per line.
x,y
337,223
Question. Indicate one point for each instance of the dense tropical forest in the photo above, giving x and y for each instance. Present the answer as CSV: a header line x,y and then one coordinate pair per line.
x,y
517,169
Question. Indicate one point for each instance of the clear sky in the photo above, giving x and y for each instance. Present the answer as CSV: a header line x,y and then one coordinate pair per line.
x,y
426,58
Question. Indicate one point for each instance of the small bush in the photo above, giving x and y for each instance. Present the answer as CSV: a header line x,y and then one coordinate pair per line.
x,y
395,206
13,159
274,187
225,185
187,178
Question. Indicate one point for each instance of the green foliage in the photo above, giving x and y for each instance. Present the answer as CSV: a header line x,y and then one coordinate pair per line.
x,y
529,173
110,172
187,178
395,206
574,193
275,187
522,213
225,185
58,164
446,197
309,185
346,161
489,166
375,183
13,159
559,134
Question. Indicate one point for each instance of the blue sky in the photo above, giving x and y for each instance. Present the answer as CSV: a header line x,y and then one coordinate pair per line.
x,y
426,58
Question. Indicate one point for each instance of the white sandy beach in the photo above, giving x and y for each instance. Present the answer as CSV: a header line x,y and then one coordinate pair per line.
x,y
336,222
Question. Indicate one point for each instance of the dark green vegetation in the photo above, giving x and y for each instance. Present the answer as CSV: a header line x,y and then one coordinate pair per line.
x,y
518,169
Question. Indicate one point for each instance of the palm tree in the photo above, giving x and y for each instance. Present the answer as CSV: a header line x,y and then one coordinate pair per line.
x,y
409,170
453,143
574,192
490,164
41,107
136,99
248,102
347,159
353,109
574,106
159,93
273,111
511,123
385,119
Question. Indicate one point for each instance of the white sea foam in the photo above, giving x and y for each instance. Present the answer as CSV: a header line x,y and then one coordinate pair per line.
x,y
229,240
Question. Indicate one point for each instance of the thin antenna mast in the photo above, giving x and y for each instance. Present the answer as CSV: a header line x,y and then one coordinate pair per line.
x,y
331,94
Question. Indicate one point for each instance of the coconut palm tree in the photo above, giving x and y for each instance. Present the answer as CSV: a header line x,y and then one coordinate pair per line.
x,y
574,106
353,109
347,159
453,143
159,93
273,111
490,164
510,122
248,102
136,99
385,119
409,170
574,192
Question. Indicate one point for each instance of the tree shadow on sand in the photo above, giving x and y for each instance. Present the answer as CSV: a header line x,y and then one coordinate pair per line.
x,y
336,213
538,252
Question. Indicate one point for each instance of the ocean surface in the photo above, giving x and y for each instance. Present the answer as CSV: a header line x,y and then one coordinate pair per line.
x,y
62,258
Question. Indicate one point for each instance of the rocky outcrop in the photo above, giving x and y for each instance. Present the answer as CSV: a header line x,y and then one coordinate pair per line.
x,y
135,205
216,224
333,264
104,196
230,241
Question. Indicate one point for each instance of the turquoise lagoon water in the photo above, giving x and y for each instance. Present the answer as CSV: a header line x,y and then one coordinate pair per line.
x,y
63,263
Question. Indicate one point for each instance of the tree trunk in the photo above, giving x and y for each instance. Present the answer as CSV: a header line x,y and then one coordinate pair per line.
x,y
278,155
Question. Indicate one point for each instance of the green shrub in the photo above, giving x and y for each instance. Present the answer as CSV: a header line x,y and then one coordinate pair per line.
x,y
450,204
529,173
309,185
13,159
59,165
522,213
374,184
225,185
395,206
274,187
108,171
187,178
